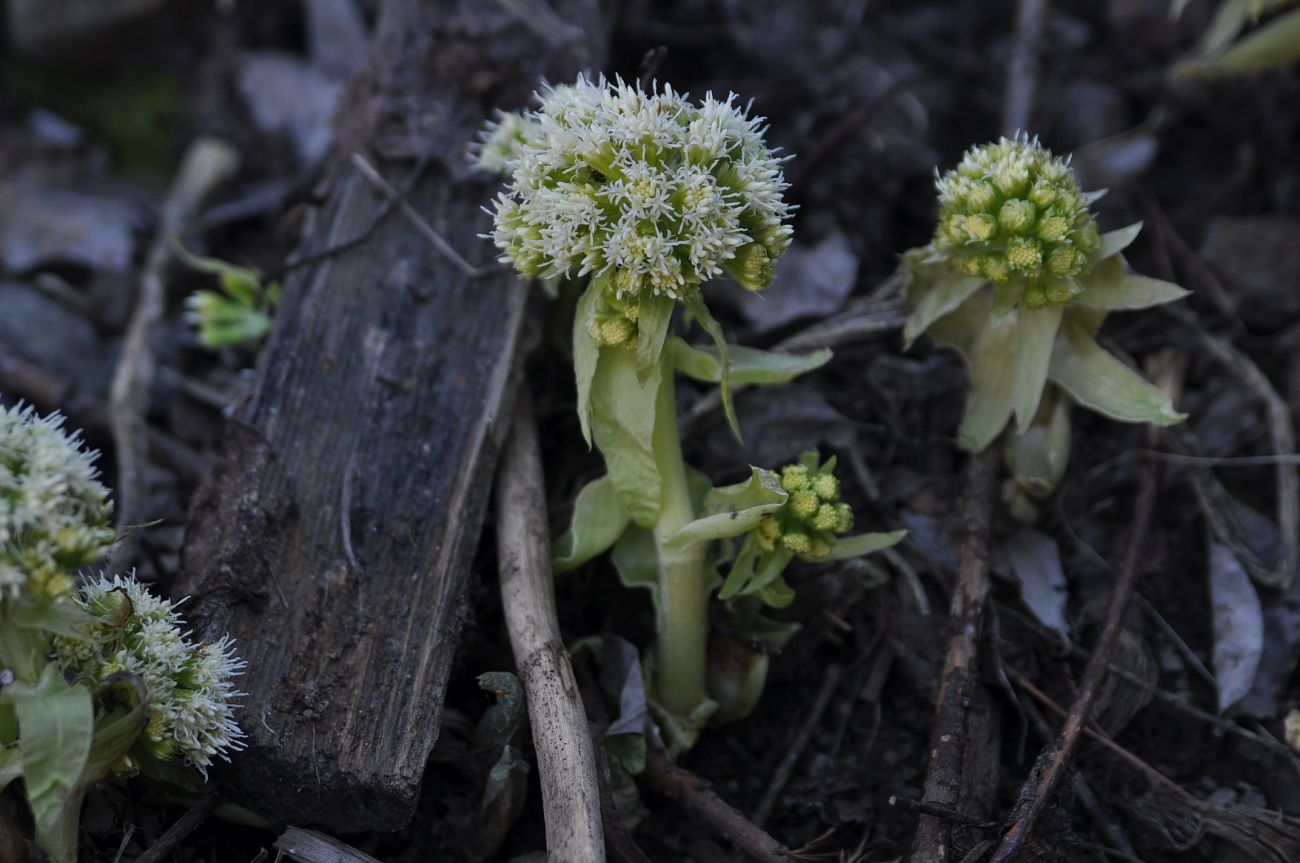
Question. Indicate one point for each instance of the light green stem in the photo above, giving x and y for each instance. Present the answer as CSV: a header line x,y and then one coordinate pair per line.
x,y
683,625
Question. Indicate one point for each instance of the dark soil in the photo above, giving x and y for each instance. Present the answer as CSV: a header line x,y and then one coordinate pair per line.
x,y
870,97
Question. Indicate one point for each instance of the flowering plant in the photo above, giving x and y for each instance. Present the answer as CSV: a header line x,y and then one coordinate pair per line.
x,y
639,199
91,680
1018,280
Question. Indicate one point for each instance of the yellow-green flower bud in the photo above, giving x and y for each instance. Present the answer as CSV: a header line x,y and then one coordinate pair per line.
x,y
1017,215
820,550
827,487
794,477
614,332
804,504
767,534
825,518
843,518
1008,210
797,542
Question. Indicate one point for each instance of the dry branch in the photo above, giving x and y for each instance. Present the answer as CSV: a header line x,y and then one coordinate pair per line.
x,y
566,763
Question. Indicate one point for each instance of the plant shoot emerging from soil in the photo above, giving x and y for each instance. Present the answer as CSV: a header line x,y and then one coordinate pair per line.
x,y
1018,280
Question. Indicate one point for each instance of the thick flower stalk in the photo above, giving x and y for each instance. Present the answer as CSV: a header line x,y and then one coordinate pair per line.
x,y
190,686
54,512
1018,280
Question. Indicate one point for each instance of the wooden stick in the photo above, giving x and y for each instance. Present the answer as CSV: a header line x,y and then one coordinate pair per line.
x,y
702,801
566,763
207,164
957,684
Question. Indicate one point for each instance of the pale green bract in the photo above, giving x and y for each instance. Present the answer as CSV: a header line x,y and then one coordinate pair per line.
x,y
1018,280
54,512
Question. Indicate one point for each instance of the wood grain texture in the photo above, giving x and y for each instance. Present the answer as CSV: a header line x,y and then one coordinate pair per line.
x,y
336,538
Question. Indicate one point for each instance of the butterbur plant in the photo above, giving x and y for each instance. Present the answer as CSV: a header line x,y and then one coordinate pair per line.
x,y
1018,280
638,199
92,679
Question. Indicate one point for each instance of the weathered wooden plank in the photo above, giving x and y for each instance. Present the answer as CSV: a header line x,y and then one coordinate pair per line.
x,y
335,539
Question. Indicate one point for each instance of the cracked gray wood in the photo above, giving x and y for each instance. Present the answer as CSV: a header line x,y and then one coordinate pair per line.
x,y
336,538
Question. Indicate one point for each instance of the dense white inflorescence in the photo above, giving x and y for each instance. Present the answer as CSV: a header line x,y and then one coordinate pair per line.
x,y
190,685
655,192
54,513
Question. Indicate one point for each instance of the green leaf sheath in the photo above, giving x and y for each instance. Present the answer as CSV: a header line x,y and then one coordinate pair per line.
x,y
940,298
847,547
695,305
747,365
653,319
1035,336
586,353
992,377
734,509
1099,381
598,521
56,723
623,425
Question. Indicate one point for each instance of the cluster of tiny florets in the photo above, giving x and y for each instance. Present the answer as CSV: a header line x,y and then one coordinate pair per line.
x,y
1011,212
190,685
812,517
54,513
655,192
502,141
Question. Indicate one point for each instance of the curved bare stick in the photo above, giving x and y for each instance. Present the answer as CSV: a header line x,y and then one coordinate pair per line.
x,y
565,760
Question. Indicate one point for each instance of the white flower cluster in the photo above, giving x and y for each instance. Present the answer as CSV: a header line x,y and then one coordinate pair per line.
x,y
54,513
646,188
190,686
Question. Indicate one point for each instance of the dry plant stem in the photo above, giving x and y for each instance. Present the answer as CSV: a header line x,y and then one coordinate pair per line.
x,y
565,760
1097,735
702,802
1283,435
207,164
1051,762
374,178
1022,70
948,738
830,682
184,826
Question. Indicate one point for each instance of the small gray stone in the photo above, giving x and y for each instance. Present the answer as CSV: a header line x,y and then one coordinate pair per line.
x,y
44,332
42,225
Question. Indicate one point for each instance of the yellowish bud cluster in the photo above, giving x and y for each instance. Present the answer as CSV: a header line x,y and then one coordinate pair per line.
x,y
812,516
1013,213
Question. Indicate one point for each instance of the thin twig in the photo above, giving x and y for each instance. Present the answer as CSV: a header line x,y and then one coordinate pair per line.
x,y
206,165
785,769
175,834
1051,762
1096,734
702,801
948,739
943,813
1280,429
412,215
565,758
